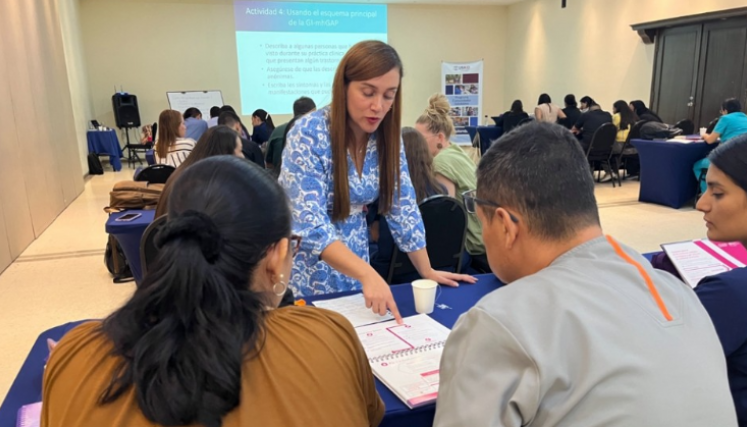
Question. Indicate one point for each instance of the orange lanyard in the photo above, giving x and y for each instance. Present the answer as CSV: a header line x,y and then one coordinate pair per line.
x,y
646,278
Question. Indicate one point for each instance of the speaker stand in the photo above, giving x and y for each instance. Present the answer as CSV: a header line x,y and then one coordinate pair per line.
x,y
132,156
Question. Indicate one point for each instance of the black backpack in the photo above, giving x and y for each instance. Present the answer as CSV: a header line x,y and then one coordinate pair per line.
x,y
116,262
94,165
656,130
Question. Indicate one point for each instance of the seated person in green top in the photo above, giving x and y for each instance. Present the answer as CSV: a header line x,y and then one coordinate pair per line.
x,y
454,169
274,154
733,122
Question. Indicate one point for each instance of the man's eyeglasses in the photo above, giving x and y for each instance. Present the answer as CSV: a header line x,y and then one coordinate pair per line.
x,y
471,202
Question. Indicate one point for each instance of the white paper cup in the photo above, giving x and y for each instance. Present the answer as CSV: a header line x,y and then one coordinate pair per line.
x,y
703,132
424,292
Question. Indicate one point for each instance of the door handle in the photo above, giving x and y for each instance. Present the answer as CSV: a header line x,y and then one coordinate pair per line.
x,y
690,104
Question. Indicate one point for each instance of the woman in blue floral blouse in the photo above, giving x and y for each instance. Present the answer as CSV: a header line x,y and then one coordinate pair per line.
x,y
338,160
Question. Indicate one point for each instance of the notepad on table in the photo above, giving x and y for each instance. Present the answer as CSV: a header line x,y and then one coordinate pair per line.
x,y
406,357
29,415
354,309
697,259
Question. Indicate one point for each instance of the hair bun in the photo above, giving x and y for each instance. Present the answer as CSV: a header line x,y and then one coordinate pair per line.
x,y
438,104
193,225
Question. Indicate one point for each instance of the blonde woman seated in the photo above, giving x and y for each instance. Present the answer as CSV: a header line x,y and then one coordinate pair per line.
x,y
202,342
172,148
454,169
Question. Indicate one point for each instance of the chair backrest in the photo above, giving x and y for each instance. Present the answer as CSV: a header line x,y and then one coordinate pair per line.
x,y
603,140
445,222
510,121
712,125
687,126
635,131
148,249
155,174
525,121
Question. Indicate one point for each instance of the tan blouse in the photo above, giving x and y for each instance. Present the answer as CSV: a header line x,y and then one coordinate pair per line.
x,y
312,371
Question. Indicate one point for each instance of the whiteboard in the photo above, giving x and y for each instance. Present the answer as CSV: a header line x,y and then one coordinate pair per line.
x,y
202,99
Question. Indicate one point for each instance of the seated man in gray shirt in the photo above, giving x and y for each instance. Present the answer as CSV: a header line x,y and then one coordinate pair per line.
x,y
585,333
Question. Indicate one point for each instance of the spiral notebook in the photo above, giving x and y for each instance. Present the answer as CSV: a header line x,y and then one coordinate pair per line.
x,y
406,357
29,415
697,259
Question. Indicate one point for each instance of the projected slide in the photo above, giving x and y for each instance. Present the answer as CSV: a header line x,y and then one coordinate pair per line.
x,y
287,50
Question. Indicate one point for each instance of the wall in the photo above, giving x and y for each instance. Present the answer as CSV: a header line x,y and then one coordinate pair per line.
x,y
154,46
426,35
40,170
587,48
77,75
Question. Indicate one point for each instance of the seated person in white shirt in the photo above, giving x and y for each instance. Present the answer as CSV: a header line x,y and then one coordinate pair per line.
x,y
172,148
214,114
585,332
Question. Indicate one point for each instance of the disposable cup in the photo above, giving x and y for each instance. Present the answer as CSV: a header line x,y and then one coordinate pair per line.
x,y
424,292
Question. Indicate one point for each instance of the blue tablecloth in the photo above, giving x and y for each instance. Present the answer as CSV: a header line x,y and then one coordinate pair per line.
x,y
128,234
488,134
150,157
27,386
106,142
667,176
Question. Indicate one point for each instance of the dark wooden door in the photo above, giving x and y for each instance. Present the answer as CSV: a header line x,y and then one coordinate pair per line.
x,y
676,71
723,68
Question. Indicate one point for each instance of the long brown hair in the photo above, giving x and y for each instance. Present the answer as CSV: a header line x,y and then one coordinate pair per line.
x,y
168,131
420,163
365,60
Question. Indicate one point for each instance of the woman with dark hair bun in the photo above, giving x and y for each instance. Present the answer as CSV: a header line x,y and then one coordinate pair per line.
x,y
201,341
724,207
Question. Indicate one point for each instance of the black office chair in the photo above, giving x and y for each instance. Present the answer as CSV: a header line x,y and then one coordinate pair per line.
x,y
600,150
148,249
134,147
635,131
510,121
524,121
155,174
698,191
629,155
687,126
712,125
445,222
